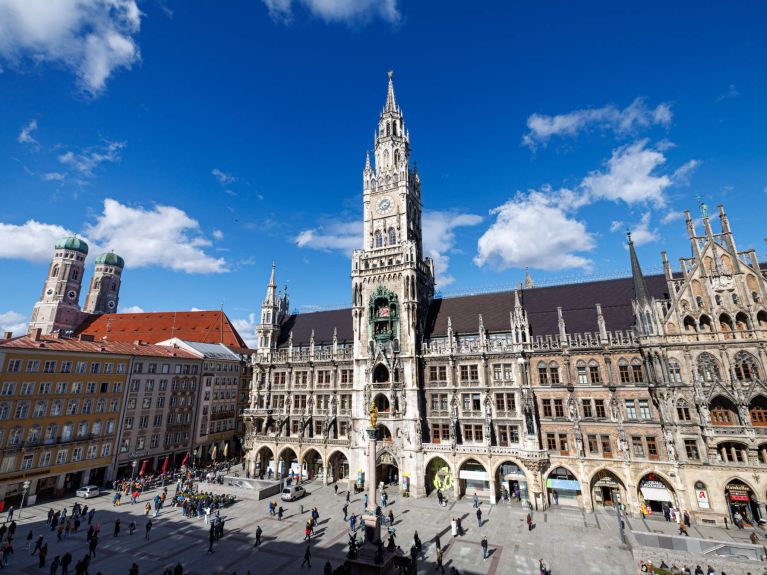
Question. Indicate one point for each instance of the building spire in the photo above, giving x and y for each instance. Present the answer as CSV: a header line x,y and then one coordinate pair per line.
x,y
391,102
641,294
271,289
529,284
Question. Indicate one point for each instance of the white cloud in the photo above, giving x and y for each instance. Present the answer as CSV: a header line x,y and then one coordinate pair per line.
x,y
163,236
25,135
346,11
53,176
218,234
87,160
626,121
132,309
222,177
91,37
630,176
681,176
333,236
14,322
671,216
247,329
439,239
534,230
31,241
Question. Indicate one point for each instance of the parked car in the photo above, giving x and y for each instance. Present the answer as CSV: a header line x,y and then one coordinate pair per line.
x,y
88,491
293,492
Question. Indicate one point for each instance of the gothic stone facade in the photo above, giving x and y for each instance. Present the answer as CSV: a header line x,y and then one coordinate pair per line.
x,y
637,390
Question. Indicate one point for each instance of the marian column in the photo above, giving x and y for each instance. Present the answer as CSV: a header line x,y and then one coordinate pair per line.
x,y
371,519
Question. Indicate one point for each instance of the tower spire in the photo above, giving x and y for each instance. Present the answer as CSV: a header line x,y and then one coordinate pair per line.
x,y
391,102
271,289
641,293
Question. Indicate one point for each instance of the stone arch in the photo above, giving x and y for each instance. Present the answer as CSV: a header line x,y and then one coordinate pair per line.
x,y
689,324
384,433
723,411
745,366
285,463
262,461
476,478
380,374
564,488
650,490
739,496
512,478
311,464
338,465
757,410
726,326
705,324
606,488
742,322
761,318
435,476
382,403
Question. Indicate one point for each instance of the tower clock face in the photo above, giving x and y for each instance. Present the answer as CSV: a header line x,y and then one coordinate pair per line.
x,y
384,205
71,294
111,304
49,292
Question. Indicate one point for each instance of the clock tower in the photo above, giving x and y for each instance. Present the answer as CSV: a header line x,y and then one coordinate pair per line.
x,y
392,287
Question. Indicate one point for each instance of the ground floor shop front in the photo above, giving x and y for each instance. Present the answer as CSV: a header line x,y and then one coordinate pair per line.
x,y
46,485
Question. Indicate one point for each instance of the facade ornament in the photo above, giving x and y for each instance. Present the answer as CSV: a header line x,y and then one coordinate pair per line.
x,y
670,444
373,414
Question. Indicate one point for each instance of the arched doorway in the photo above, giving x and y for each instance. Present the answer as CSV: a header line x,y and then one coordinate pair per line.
x,y
511,482
387,469
384,433
382,404
741,502
381,374
287,466
312,466
264,463
438,476
654,493
473,478
338,466
606,489
563,488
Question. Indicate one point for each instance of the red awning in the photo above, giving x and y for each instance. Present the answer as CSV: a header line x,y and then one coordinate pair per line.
x,y
143,468
165,464
737,497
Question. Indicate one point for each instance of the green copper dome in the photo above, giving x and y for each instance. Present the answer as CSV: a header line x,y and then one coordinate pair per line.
x,y
72,243
110,259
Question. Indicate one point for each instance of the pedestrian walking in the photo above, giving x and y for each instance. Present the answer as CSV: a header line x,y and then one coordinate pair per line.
x,y
484,547
308,532
42,554
55,565
479,517
10,514
335,488
347,496
529,522
211,539
133,569
280,512
417,541
328,570
307,557
65,561
29,540
365,500
543,567
148,528
346,510
38,545
683,530
178,569
437,542
391,517
258,535
92,546
131,527
475,500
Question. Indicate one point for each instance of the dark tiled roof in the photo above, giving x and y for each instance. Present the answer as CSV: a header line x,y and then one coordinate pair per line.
x,y
202,326
322,322
578,303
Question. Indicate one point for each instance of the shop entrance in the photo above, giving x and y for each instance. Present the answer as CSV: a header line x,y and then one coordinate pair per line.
x,y
654,492
473,478
563,488
742,503
438,476
606,489
387,470
511,482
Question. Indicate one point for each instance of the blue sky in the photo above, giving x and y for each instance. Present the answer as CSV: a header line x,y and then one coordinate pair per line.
x,y
202,140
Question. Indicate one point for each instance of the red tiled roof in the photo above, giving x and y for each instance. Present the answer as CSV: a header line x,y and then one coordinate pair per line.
x,y
102,346
202,326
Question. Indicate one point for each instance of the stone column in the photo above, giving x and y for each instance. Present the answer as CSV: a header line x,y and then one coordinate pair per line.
x,y
372,479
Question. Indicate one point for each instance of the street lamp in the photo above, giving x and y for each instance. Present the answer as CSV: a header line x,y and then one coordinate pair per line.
x,y
25,488
134,464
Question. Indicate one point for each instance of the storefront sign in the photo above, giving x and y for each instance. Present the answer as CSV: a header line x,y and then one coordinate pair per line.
x,y
652,483
474,475
739,493
702,496
738,497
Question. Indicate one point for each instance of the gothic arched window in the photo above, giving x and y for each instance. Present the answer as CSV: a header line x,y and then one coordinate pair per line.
x,y
114,286
683,410
674,372
55,271
388,129
378,239
75,274
396,158
708,368
392,237
746,367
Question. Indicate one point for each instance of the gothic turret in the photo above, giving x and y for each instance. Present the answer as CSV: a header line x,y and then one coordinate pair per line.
x,y
273,310
104,293
643,305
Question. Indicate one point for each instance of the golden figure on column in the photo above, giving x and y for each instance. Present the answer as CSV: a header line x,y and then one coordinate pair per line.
x,y
373,414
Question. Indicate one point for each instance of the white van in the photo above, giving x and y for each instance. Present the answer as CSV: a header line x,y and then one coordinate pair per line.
x,y
293,492
88,491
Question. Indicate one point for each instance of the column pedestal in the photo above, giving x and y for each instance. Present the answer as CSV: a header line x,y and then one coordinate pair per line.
x,y
370,519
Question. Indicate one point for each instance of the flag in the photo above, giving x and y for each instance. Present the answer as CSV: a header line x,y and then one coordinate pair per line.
x,y
213,452
186,458
166,464
143,468
226,449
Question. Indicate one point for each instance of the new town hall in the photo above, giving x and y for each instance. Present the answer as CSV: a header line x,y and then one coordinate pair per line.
x,y
642,390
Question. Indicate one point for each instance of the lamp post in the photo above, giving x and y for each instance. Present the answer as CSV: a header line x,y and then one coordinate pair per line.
x,y
25,488
134,465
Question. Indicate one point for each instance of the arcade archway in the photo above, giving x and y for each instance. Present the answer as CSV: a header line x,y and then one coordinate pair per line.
x,y
312,466
654,491
563,488
264,463
511,482
387,469
338,466
607,490
438,476
287,465
473,478
741,502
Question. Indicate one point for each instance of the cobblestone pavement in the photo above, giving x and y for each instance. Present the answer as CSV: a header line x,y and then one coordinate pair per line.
x,y
570,540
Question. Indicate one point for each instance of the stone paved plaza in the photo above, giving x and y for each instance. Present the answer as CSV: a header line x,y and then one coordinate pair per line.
x,y
570,540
